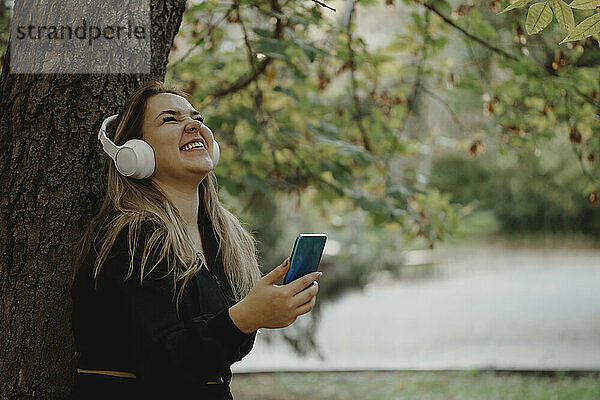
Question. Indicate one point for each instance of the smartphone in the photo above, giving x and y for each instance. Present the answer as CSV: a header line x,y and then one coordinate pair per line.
x,y
306,255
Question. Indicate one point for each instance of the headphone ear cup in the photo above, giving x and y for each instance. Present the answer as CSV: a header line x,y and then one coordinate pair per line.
x,y
216,153
135,159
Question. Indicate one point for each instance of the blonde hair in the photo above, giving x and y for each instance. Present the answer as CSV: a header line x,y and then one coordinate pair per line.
x,y
135,203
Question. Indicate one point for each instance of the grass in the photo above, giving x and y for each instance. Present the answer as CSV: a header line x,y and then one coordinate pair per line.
x,y
423,385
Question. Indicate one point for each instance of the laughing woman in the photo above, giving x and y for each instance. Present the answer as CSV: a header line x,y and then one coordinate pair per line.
x,y
167,293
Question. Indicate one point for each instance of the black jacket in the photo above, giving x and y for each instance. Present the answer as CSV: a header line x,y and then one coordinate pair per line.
x,y
125,326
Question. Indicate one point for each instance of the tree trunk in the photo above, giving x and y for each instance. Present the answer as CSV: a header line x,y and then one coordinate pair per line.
x,y
51,185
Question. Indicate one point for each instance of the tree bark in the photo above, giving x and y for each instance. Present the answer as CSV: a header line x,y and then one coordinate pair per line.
x,y
51,184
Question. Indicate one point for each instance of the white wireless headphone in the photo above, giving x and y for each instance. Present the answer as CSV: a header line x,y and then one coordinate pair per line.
x,y
135,158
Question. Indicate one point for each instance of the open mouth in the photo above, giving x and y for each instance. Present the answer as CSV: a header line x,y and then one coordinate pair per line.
x,y
194,145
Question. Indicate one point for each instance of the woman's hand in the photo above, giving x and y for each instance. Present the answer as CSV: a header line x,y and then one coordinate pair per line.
x,y
268,305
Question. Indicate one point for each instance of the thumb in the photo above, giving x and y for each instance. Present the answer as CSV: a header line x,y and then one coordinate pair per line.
x,y
277,272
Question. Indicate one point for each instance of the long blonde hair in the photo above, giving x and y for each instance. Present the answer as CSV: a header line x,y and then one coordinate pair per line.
x,y
133,203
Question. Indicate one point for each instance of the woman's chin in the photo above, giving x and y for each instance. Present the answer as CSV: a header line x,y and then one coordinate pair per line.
x,y
199,161
201,169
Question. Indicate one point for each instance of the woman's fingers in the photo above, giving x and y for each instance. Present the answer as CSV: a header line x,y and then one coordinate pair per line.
x,y
306,307
306,295
277,272
302,282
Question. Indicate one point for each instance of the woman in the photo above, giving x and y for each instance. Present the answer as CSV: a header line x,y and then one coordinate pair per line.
x,y
167,292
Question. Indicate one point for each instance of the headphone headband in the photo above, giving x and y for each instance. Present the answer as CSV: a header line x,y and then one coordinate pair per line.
x,y
107,145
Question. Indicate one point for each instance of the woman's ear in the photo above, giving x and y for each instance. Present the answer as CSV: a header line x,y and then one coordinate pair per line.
x,y
216,153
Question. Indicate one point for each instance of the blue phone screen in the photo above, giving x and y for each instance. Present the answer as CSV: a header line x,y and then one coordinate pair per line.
x,y
305,257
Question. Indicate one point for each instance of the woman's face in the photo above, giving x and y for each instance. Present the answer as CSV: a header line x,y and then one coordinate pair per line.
x,y
171,123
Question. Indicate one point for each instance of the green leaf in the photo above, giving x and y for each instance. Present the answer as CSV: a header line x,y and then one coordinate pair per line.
x,y
538,17
233,186
271,47
587,27
287,91
564,14
253,145
262,32
205,6
364,200
585,4
308,47
255,182
346,148
516,4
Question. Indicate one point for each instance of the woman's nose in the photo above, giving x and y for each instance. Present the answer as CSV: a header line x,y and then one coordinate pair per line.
x,y
193,126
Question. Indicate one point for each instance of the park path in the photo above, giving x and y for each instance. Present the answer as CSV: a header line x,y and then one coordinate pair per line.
x,y
488,307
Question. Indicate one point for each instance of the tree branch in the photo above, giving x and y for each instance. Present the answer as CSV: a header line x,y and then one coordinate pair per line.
x,y
242,82
446,106
469,35
357,115
323,4
586,97
497,50
586,173
246,39
211,28
412,100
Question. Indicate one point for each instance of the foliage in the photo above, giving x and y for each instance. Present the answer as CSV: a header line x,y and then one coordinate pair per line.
x,y
530,91
543,200
541,14
294,113
300,102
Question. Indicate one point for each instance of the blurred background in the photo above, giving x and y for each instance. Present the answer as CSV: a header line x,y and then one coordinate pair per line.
x,y
452,161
